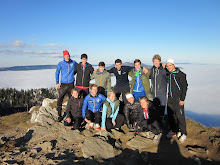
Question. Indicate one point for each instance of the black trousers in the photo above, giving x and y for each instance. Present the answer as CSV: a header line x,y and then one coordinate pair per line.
x,y
176,116
82,92
93,117
102,91
75,122
148,125
122,89
119,122
64,89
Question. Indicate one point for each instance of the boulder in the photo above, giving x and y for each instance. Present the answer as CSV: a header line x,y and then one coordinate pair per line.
x,y
139,143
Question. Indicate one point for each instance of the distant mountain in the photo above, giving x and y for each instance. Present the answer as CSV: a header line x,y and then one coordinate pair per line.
x,y
128,64
32,67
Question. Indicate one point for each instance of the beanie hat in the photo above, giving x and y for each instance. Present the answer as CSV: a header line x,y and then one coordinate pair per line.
x,y
65,52
129,95
170,61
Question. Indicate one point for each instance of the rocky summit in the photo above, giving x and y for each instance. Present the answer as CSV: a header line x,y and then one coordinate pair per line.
x,y
38,139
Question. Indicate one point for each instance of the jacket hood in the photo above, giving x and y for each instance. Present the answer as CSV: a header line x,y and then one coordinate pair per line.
x,y
160,67
103,71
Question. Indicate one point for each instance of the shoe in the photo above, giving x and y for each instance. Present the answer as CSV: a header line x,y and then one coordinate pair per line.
x,y
178,135
156,138
117,129
97,126
170,134
136,134
182,138
91,125
72,128
148,134
59,119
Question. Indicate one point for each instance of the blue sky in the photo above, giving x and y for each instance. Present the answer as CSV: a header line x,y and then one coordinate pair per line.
x,y
36,32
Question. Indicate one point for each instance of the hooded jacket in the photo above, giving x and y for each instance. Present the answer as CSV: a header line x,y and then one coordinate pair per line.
x,y
83,75
158,78
177,84
74,107
93,104
67,71
102,79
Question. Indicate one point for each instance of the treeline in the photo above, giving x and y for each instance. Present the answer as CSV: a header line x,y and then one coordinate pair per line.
x,y
12,99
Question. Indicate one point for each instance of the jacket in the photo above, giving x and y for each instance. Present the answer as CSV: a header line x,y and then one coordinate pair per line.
x,y
131,110
144,80
83,76
177,84
158,78
110,110
67,71
93,104
121,79
74,107
103,80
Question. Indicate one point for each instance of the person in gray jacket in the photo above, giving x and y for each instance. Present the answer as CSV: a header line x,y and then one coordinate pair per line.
x,y
159,84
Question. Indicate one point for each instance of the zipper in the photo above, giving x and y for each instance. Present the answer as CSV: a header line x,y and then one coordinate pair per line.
x,y
94,104
68,71
83,77
155,85
100,80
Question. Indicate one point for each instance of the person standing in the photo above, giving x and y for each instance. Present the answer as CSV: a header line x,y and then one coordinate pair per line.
x,y
102,79
175,104
140,85
83,70
66,69
159,80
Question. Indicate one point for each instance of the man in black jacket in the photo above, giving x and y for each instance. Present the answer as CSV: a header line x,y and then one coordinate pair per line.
x,y
74,111
83,70
131,110
175,105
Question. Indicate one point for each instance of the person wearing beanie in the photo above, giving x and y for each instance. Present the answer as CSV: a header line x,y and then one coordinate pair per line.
x,y
83,70
66,69
175,104
102,79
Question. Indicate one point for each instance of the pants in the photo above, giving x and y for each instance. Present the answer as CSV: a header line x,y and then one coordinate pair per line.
x,y
160,101
64,89
148,125
132,119
122,89
102,91
75,122
93,117
176,116
82,92
138,95
119,122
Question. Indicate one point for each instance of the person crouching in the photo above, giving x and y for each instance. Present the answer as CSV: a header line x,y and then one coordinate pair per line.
x,y
110,116
148,119
92,106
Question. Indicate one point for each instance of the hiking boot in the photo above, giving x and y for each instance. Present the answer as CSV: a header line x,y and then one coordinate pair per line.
x,y
182,138
97,126
170,134
148,134
178,135
59,119
156,138
72,128
91,125
136,134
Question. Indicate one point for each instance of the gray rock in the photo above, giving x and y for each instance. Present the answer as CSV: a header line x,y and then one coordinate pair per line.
x,y
45,146
94,146
3,139
139,143
116,134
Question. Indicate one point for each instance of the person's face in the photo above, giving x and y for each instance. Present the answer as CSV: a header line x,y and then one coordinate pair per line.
x,y
101,68
75,94
94,91
131,100
137,66
112,97
84,60
170,67
144,103
118,66
66,58
156,63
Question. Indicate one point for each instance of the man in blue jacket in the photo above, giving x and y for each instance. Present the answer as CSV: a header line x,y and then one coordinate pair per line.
x,y
92,106
66,69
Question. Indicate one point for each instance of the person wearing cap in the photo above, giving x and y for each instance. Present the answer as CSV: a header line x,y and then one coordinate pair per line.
x,y
131,110
83,70
140,84
66,69
102,79
175,104
159,80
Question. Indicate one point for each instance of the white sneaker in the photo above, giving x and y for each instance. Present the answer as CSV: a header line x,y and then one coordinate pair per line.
x,y
148,134
182,138
97,126
156,138
178,135
91,125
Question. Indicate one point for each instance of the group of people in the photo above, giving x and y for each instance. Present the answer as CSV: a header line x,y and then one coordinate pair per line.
x,y
140,104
